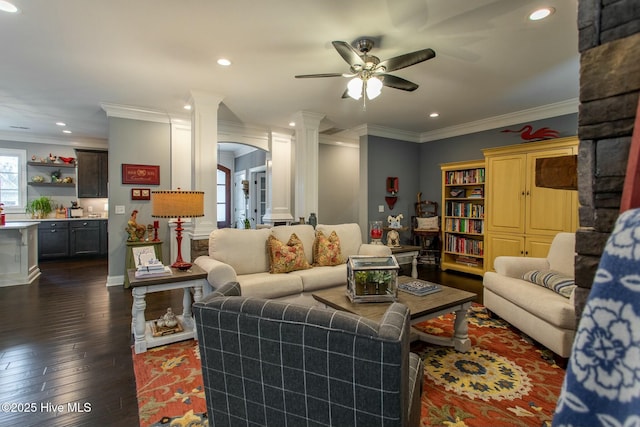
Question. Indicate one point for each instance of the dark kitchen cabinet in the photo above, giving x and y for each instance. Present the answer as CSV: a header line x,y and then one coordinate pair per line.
x,y
93,173
104,237
72,237
84,238
53,239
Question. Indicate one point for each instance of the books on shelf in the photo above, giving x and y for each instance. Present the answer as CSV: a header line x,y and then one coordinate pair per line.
x,y
419,287
468,261
462,245
476,193
466,176
466,209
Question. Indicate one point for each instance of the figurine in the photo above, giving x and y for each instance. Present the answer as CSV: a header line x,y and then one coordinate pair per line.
x,y
394,222
136,231
167,320
393,239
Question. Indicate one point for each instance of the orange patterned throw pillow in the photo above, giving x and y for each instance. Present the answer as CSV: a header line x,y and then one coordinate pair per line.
x,y
326,250
286,257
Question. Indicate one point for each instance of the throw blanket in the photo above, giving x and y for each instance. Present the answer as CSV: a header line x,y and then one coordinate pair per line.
x,y
602,384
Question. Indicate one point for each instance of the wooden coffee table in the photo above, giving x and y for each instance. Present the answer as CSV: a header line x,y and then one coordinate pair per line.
x,y
448,300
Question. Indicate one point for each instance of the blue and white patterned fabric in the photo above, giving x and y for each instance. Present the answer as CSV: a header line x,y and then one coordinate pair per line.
x,y
602,384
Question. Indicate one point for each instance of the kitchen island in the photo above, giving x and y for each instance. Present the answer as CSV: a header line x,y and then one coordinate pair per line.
x,y
19,253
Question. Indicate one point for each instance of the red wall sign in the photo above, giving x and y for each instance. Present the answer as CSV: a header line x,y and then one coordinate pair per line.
x,y
140,174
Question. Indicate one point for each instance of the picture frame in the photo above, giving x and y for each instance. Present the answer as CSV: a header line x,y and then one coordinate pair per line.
x,y
140,194
140,174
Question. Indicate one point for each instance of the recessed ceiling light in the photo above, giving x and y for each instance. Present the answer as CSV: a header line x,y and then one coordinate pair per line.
x,y
5,6
187,107
224,62
66,131
434,115
292,124
542,13
61,124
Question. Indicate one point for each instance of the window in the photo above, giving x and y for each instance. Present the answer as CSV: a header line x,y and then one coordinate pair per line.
x,y
224,197
13,180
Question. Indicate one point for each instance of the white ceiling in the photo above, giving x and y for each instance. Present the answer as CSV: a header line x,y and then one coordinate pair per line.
x,y
60,59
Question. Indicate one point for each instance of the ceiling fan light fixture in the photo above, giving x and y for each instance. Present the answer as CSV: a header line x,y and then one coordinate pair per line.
x,y
374,87
355,88
8,7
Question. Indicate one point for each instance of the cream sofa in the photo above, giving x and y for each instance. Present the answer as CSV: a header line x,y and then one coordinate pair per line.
x,y
544,315
241,256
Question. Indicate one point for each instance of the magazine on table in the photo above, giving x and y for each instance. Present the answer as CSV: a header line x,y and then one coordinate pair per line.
x,y
419,287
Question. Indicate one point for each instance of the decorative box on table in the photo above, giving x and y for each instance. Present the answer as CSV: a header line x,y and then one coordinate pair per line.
x,y
372,278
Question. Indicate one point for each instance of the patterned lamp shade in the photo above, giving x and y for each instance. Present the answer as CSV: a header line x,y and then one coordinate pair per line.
x,y
177,204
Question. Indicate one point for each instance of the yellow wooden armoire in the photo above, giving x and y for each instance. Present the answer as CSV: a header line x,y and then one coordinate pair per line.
x,y
522,219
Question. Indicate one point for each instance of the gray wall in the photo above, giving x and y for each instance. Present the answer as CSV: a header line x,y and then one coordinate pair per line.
x,y
338,170
251,160
393,158
135,142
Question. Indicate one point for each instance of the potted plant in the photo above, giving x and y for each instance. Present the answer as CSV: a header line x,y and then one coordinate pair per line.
x,y
40,208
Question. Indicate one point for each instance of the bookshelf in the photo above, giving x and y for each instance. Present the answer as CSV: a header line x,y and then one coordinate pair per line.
x,y
463,185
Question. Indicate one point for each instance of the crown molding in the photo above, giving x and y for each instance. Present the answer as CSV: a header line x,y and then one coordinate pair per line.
x,y
385,132
69,141
135,113
537,113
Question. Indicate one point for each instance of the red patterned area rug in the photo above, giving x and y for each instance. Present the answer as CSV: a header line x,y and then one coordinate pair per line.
x,y
169,386
504,380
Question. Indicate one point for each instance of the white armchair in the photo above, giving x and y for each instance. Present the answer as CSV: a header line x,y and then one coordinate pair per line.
x,y
535,308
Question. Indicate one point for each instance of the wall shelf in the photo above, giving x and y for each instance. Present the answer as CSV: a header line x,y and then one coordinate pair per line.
x,y
52,184
52,165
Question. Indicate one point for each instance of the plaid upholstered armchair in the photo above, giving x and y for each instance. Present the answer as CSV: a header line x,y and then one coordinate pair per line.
x,y
270,363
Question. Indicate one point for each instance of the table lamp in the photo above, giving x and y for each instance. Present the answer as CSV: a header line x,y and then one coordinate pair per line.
x,y
177,204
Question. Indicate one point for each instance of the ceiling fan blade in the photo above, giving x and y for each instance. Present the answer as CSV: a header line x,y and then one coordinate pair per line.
x,y
398,83
313,76
348,53
406,60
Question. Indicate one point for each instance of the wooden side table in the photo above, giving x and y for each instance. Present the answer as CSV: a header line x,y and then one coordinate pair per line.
x,y
195,278
129,262
407,254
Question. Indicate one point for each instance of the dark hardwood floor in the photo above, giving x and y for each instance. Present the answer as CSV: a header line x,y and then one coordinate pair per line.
x,y
65,345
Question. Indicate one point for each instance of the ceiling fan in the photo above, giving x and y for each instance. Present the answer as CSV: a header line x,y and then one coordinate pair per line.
x,y
368,73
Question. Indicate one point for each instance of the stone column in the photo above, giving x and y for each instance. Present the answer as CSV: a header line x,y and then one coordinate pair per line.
x,y
306,162
609,44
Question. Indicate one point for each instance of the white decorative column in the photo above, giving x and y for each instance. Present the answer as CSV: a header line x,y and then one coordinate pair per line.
x,y
204,141
279,180
306,162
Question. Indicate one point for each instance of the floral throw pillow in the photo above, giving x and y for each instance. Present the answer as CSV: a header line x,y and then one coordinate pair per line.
x,y
286,257
326,250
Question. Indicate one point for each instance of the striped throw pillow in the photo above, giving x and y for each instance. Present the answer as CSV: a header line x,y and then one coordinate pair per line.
x,y
559,283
